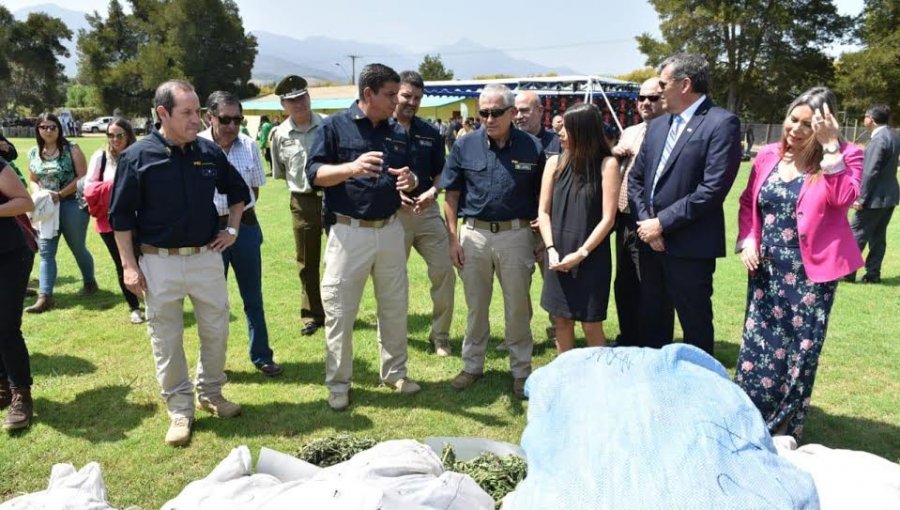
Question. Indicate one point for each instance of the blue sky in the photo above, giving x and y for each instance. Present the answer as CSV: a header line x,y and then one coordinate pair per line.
x,y
590,36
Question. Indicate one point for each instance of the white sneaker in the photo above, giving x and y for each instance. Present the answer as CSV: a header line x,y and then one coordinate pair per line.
x,y
179,433
136,316
442,347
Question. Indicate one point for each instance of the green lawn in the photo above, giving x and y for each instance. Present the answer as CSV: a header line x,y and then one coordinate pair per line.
x,y
97,398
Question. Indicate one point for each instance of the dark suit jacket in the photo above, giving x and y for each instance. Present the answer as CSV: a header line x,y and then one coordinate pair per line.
x,y
694,183
879,188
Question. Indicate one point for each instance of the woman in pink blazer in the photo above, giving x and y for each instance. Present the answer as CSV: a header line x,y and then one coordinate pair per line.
x,y
796,243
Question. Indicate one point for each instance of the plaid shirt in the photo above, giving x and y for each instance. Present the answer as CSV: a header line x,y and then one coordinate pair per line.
x,y
244,156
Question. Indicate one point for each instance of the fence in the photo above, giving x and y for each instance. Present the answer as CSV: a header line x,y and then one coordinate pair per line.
x,y
770,133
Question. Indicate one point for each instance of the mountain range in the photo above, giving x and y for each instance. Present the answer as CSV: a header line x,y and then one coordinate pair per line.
x,y
324,59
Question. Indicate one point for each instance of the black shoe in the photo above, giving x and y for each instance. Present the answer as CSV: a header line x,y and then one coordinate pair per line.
x,y
270,369
850,278
310,328
870,279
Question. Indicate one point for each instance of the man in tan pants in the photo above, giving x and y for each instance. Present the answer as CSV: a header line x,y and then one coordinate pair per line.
x,y
425,229
493,179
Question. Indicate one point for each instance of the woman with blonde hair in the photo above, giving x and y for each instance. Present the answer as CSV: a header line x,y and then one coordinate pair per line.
x,y
796,243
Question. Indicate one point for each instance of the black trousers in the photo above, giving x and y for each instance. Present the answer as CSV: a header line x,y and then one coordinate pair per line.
x,y
870,227
670,284
109,239
627,286
15,268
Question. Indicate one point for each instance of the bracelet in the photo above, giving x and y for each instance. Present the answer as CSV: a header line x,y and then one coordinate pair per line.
x,y
551,246
583,252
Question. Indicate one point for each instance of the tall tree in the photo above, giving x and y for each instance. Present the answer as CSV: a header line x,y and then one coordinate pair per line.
x,y
36,80
432,68
872,74
762,52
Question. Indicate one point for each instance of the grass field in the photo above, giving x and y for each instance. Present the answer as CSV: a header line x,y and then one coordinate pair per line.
x,y
97,398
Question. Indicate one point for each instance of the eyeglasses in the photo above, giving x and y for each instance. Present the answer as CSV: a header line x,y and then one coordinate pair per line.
x,y
225,119
115,136
652,99
494,112
47,127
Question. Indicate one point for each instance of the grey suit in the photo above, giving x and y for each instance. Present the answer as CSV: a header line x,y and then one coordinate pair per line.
x,y
879,194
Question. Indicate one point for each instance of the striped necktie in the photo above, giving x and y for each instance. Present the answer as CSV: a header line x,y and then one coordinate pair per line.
x,y
674,131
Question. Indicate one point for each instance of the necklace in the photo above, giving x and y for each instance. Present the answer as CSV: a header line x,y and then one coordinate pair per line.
x,y
48,154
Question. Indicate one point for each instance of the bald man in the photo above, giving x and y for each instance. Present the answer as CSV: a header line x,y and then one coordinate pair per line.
x,y
628,283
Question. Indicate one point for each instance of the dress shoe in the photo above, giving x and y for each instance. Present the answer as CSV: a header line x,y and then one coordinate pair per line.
x,y
310,327
43,303
870,279
179,433
338,401
89,289
218,406
21,410
519,387
463,380
270,369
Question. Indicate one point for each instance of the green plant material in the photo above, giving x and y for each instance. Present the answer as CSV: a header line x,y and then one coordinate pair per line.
x,y
333,450
498,476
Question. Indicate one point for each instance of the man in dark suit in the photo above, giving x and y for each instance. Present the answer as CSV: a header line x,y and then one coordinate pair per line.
x,y
683,173
879,192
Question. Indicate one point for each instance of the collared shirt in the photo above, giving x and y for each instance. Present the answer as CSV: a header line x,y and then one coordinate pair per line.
x,y
427,154
290,153
166,192
243,156
496,184
343,138
632,138
549,141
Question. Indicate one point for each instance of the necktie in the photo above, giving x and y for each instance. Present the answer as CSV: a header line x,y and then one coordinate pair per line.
x,y
674,131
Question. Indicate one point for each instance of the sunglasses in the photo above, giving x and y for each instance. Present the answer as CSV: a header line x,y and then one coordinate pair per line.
x,y
115,136
495,112
47,127
225,119
652,99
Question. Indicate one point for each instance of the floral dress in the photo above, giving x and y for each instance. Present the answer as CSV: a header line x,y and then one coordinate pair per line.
x,y
787,315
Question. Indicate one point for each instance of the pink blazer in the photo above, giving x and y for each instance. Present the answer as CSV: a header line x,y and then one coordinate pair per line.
x,y
827,246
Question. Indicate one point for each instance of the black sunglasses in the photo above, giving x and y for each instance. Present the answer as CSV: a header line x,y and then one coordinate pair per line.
x,y
652,99
225,119
495,112
47,127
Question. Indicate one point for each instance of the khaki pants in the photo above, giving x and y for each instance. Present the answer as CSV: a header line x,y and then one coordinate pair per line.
x,y
306,212
427,233
351,255
510,255
169,279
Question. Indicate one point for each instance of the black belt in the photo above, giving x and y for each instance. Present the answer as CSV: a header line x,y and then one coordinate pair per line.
x,y
248,218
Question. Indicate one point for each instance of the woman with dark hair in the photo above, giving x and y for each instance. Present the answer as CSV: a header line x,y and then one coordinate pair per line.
x,y
576,213
16,261
98,190
56,164
796,243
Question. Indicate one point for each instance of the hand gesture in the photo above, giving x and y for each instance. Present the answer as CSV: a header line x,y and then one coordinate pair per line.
x,y
750,257
367,165
406,181
825,126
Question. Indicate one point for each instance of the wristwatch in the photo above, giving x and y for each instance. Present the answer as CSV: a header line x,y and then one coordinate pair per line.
x,y
231,230
831,148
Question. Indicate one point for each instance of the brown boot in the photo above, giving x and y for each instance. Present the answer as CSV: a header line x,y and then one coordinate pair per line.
x,y
20,411
43,303
5,394
89,289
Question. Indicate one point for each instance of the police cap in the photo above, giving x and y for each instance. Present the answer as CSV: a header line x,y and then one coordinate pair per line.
x,y
291,86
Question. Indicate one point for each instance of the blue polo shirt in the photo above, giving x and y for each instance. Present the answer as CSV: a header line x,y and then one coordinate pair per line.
x,y
550,142
166,192
427,154
496,184
344,137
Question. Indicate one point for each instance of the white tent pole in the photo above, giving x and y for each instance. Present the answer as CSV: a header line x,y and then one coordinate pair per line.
x,y
612,112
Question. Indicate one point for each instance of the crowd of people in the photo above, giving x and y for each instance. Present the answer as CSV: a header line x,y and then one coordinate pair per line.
x,y
176,211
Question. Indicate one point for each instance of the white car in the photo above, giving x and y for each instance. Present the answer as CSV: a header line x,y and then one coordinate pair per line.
x,y
97,125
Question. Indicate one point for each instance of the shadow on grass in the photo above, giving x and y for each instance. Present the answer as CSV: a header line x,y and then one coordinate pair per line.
x,y
852,433
98,415
60,364
306,372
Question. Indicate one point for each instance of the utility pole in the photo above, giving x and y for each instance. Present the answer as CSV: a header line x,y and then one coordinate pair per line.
x,y
353,67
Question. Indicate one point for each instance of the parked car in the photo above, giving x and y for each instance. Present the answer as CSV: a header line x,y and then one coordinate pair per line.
x,y
97,125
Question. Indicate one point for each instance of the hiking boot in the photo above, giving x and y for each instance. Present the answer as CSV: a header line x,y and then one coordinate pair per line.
x,y
43,303
218,406
89,289
519,387
179,433
338,401
405,386
5,394
463,380
442,347
21,410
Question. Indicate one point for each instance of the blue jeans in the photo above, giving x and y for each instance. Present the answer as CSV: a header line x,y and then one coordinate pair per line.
x,y
73,223
244,256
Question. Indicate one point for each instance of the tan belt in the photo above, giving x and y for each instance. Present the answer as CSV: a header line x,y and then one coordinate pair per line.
x,y
497,226
353,222
189,250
